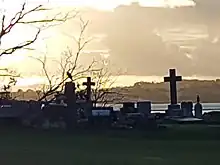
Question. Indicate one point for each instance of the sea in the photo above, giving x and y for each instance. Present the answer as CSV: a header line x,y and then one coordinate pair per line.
x,y
161,108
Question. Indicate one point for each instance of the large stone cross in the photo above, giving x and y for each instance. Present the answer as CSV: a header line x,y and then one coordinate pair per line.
x,y
173,79
89,85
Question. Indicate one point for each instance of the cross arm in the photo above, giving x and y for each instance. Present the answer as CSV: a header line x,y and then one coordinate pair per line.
x,y
167,79
178,78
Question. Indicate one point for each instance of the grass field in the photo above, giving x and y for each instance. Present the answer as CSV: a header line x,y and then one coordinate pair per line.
x,y
22,147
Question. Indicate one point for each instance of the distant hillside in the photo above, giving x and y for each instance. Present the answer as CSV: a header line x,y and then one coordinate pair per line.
x,y
187,90
157,92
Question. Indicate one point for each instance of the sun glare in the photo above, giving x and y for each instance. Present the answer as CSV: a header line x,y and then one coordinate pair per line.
x,y
10,7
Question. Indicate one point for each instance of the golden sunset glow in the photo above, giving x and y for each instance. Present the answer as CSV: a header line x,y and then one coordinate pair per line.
x,y
99,4
111,4
20,34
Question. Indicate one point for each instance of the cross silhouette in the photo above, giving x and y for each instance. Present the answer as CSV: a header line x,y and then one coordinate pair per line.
x,y
89,85
173,79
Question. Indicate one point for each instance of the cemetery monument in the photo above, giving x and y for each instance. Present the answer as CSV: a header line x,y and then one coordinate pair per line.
x,y
71,115
198,108
173,108
88,85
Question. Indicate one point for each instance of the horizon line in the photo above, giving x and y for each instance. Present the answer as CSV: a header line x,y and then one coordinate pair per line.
x,y
37,85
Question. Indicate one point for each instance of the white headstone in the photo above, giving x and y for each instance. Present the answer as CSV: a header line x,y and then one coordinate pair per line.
x,y
100,112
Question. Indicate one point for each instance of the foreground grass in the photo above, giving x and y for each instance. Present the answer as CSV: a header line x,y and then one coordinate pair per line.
x,y
53,148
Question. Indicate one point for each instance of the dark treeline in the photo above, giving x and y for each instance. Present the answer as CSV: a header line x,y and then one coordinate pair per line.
x,y
187,91
156,92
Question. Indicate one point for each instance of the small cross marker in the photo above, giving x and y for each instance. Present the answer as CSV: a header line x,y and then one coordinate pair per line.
x,y
89,85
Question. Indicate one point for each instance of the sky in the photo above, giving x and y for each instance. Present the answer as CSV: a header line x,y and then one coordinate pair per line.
x,y
52,36
105,4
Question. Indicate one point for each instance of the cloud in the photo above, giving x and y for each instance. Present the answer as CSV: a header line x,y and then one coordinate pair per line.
x,y
148,41
135,47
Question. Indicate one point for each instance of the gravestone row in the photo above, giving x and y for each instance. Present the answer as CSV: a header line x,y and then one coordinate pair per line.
x,y
144,107
69,113
65,105
74,109
185,109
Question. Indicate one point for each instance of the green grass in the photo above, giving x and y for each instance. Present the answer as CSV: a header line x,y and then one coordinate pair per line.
x,y
59,148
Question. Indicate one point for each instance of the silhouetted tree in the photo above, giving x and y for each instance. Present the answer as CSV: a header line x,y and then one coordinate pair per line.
x,y
21,17
69,63
104,93
9,77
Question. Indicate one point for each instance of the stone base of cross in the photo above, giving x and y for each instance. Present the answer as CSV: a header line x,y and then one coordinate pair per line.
x,y
174,110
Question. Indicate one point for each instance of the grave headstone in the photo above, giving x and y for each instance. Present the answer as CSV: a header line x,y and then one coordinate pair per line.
x,y
190,105
187,108
144,107
101,112
34,115
88,104
128,107
71,115
69,92
198,108
88,85
101,117
184,108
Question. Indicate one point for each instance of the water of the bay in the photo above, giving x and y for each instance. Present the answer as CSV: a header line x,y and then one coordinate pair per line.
x,y
207,107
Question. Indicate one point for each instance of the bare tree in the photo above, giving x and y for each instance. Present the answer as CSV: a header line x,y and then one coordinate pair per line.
x,y
104,94
68,66
21,18
9,78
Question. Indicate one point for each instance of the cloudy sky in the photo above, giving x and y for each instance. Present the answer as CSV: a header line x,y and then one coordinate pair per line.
x,y
104,4
142,41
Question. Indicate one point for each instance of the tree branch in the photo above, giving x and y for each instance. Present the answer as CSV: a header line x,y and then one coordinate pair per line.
x,y
103,93
19,18
20,46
